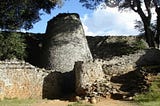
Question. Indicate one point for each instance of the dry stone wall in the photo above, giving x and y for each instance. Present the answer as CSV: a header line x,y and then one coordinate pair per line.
x,y
109,46
66,42
87,73
93,78
19,79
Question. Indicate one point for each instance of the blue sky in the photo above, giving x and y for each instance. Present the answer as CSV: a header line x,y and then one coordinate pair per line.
x,y
106,21
69,6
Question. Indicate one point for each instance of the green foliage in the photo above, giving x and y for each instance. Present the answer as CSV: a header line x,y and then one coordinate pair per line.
x,y
17,14
107,47
17,102
124,47
139,44
12,46
152,97
136,6
79,104
91,4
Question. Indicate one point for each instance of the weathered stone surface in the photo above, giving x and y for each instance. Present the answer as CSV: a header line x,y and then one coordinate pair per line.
x,y
121,74
126,63
67,42
87,73
121,65
149,58
109,46
58,85
20,80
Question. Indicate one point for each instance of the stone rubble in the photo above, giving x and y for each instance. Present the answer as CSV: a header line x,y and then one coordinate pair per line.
x,y
123,76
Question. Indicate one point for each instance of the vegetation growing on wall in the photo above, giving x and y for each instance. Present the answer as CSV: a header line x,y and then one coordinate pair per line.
x,y
109,46
12,45
35,48
30,46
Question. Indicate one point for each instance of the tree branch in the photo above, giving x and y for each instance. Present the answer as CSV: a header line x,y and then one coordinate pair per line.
x,y
140,11
148,8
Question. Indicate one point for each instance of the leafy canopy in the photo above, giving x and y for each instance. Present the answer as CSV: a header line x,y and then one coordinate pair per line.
x,y
12,45
142,8
22,14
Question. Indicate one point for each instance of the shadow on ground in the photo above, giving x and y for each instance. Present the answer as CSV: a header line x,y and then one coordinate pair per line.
x,y
58,85
136,81
131,83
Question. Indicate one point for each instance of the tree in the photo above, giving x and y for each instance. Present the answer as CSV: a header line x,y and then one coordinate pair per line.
x,y
136,6
22,14
157,9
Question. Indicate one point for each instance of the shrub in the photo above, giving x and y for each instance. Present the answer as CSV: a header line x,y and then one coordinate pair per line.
x,y
12,46
152,97
139,44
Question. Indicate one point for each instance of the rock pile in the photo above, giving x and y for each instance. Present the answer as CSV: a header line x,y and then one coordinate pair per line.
x,y
123,76
87,73
91,80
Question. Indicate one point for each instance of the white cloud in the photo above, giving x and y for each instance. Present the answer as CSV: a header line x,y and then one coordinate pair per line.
x,y
110,21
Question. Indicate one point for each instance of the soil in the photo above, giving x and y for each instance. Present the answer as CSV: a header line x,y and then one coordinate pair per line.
x,y
104,102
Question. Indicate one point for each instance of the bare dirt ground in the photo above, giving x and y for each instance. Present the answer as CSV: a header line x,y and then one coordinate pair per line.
x,y
52,103
104,102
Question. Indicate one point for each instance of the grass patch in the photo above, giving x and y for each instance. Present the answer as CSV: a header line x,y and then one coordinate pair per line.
x,y
17,102
152,97
79,104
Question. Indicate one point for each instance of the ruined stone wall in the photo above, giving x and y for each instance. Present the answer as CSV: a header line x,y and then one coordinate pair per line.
x,y
65,44
100,46
89,84
19,79
86,74
109,46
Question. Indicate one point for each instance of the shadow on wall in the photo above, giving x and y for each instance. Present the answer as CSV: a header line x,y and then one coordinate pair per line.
x,y
63,23
135,81
131,83
110,46
35,49
58,85
151,57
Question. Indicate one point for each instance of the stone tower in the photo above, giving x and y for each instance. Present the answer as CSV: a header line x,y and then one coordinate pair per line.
x,y
67,42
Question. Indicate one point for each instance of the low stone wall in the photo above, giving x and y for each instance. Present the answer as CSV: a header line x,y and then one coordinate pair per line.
x,y
22,80
19,79
110,46
90,75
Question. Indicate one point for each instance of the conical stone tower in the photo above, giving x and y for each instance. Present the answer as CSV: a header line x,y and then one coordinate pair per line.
x,y
67,42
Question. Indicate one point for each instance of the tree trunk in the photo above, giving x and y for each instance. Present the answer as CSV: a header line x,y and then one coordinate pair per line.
x,y
149,35
157,35
146,19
